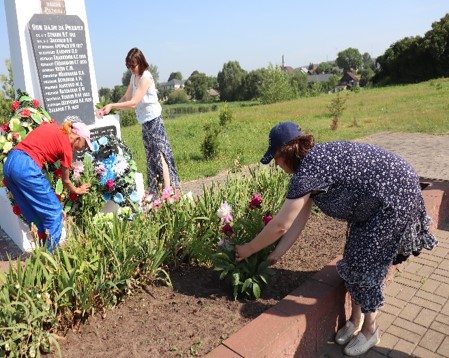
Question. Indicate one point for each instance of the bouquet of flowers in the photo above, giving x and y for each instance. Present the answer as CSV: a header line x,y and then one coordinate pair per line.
x,y
249,275
110,169
27,115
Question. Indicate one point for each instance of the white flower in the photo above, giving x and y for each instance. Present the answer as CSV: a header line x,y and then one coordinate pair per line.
x,y
120,165
225,212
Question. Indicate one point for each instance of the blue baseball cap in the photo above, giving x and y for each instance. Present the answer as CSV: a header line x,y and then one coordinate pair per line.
x,y
280,134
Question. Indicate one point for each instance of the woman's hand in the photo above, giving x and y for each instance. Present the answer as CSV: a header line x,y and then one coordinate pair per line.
x,y
83,189
105,110
243,251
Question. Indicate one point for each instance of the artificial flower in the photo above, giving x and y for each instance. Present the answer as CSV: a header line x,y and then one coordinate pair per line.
x,y
16,210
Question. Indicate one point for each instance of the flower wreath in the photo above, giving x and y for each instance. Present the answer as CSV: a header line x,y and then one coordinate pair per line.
x,y
27,115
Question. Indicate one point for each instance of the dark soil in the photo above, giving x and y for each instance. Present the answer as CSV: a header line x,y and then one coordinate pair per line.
x,y
199,312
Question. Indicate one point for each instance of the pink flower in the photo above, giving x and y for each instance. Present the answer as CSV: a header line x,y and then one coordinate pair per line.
x,y
266,219
36,103
225,213
256,201
58,173
73,196
15,105
25,113
6,127
227,230
110,185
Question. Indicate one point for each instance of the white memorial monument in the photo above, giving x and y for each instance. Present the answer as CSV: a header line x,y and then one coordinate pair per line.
x,y
52,61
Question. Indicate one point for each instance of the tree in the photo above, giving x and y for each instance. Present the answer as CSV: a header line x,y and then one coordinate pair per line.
x,y
349,59
175,76
197,85
117,93
7,94
177,96
324,67
105,93
155,72
126,77
298,81
7,81
230,80
276,86
251,84
367,61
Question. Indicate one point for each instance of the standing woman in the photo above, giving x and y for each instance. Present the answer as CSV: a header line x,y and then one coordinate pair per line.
x,y
379,196
27,182
141,95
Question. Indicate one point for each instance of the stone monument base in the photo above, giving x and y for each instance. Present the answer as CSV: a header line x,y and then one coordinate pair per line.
x,y
13,225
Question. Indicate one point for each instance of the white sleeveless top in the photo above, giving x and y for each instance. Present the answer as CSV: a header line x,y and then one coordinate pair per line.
x,y
149,107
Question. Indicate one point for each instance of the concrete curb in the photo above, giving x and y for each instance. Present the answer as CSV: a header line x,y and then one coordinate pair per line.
x,y
303,321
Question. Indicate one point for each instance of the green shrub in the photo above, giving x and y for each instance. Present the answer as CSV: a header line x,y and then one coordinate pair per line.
x,y
209,146
128,118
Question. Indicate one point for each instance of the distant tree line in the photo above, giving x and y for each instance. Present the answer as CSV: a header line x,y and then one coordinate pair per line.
x,y
410,60
416,59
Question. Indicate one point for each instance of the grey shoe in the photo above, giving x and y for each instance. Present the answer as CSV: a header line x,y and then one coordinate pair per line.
x,y
360,345
346,332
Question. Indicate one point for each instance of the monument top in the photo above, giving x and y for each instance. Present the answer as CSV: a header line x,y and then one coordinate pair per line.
x,y
51,55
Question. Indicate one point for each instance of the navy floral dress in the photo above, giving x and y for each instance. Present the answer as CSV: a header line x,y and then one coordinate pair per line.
x,y
379,195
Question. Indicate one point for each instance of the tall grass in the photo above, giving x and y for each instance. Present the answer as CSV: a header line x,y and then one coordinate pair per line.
x,y
420,108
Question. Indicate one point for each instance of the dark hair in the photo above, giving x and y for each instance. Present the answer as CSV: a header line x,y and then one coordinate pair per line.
x,y
293,151
136,57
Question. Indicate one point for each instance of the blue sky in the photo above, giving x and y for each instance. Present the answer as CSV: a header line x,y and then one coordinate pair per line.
x,y
185,36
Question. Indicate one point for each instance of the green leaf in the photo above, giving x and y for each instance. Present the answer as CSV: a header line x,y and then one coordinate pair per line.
x,y
37,118
59,187
256,290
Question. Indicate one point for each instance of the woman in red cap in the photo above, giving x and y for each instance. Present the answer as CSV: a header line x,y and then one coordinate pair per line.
x,y
375,191
27,182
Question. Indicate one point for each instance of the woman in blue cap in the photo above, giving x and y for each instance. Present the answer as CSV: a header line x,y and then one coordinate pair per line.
x,y
375,191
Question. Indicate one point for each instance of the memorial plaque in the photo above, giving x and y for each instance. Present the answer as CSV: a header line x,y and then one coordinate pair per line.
x,y
99,132
60,52
53,7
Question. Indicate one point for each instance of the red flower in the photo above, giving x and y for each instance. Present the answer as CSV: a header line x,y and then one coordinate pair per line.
x,y
110,184
256,201
5,184
16,210
227,230
73,196
36,103
266,219
6,126
42,236
25,113
15,105
58,173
